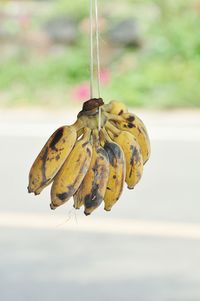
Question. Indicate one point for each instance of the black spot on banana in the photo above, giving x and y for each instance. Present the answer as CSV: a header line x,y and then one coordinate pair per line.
x,y
113,151
56,138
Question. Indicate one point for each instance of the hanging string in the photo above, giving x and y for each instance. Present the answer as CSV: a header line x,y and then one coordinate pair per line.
x,y
97,48
98,58
94,7
91,51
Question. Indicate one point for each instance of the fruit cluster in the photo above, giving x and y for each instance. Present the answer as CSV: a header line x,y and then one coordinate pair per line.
x,y
89,164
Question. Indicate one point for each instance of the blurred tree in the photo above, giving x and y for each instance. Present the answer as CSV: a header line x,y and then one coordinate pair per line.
x,y
163,72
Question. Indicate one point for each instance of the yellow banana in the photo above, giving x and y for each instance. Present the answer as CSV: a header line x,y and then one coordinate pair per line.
x,y
78,200
117,172
93,187
134,125
52,157
73,171
132,152
115,107
92,165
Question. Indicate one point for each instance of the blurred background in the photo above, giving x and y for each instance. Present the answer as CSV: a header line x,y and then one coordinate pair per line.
x,y
148,247
149,51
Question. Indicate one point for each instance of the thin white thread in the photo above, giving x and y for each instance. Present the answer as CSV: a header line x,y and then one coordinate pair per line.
x,y
97,55
91,51
99,125
98,59
71,213
97,48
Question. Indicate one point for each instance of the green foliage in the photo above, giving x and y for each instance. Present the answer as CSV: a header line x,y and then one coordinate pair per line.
x,y
164,72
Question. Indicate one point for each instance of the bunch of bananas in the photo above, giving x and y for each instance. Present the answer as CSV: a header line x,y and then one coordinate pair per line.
x,y
89,164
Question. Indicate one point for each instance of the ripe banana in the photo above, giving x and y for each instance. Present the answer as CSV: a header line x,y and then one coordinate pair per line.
x,y
52,157
117,171
73,171
93,187
132,152
134,125
116,108
89,164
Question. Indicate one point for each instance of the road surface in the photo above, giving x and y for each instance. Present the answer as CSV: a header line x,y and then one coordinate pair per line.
x,y
146,249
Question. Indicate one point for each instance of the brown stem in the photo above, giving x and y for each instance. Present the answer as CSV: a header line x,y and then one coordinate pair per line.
x,y
92,104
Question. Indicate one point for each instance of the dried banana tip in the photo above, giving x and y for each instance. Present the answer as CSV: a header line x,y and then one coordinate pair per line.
x,y
52,206
76,207
107,209
29,190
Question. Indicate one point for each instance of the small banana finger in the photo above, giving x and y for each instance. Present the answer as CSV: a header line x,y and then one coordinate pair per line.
x,y
73,171
115,107
117,172
134,125
52,157
93,187
132,152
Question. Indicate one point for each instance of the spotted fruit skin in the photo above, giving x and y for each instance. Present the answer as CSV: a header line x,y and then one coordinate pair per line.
x,y
93,188
134,125
73,171
117,172
132,152
116,108
51,158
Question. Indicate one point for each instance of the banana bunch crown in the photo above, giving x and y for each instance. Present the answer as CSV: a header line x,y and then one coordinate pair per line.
x,y
92,159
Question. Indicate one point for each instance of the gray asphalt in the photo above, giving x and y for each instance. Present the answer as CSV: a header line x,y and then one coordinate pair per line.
x,y
56,265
